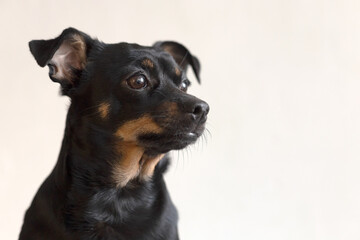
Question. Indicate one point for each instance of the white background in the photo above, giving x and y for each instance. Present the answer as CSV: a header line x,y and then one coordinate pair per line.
x,y
282,80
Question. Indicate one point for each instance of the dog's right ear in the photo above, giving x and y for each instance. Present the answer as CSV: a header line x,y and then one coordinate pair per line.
x,y
181,55
66,56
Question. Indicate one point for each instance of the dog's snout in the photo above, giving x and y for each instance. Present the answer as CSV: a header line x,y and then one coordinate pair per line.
x,y
200,111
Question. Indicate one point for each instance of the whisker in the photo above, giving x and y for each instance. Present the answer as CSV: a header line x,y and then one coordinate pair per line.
x,y
183,59
177,160
207,131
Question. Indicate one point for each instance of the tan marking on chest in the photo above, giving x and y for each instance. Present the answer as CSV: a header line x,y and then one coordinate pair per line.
x,y
133,163
171,108
127,166
148,166
104,109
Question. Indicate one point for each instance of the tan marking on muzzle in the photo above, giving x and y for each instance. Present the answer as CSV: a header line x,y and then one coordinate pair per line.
x,y
130,130
170,108
104,109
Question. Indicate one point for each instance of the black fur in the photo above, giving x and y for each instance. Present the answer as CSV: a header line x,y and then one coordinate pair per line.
x,y
80,199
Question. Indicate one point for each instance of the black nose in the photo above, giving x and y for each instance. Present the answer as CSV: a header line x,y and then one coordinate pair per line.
x,y
200,111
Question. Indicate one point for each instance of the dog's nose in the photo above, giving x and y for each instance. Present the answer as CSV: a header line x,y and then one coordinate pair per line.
x,y
200,111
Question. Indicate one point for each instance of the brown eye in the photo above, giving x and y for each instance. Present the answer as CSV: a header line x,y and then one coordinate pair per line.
x,y
137,82
184,85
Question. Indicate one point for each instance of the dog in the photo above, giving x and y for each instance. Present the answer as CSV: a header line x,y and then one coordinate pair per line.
x,y
129,108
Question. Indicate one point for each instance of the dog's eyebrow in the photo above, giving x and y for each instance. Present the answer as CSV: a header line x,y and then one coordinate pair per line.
x,y
147,63
177,71
104,109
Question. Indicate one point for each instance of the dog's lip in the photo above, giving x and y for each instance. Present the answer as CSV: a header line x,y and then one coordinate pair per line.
x,y
192,134
161,143
188,136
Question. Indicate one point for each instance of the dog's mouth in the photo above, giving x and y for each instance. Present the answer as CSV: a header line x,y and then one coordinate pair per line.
x,y
179,125
170,140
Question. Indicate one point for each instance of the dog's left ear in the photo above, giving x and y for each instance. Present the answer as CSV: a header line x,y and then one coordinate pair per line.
x,y
66,56
182,56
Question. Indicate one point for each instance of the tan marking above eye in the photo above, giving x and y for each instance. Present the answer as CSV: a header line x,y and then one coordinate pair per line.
x,y
148,63
177,71
131,129
104,109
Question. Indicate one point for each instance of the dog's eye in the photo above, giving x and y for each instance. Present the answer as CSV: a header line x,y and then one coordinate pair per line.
x,y
184,85
137,82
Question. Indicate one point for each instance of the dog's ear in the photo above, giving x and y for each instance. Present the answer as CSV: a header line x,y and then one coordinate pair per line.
x,y
66,56
182,56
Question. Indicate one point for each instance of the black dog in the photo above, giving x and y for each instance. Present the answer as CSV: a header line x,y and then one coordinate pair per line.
x,y
129,107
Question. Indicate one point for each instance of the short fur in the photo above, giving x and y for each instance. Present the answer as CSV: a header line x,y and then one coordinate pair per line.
x,y
129,107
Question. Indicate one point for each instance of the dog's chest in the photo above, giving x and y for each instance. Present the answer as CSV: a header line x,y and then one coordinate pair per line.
x,y
129,215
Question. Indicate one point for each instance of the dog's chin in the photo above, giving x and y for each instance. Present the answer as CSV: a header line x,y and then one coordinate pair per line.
x,y
162,143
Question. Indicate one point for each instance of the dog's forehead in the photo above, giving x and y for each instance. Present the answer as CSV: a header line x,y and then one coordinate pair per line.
x,y
128,53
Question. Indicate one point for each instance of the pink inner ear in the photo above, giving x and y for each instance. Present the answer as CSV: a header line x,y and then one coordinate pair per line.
x,y
70,55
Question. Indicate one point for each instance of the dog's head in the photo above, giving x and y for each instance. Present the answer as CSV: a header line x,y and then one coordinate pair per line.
x,y
137,93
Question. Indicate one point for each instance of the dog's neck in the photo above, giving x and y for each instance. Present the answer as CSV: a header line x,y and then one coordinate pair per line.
x,y
85,172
